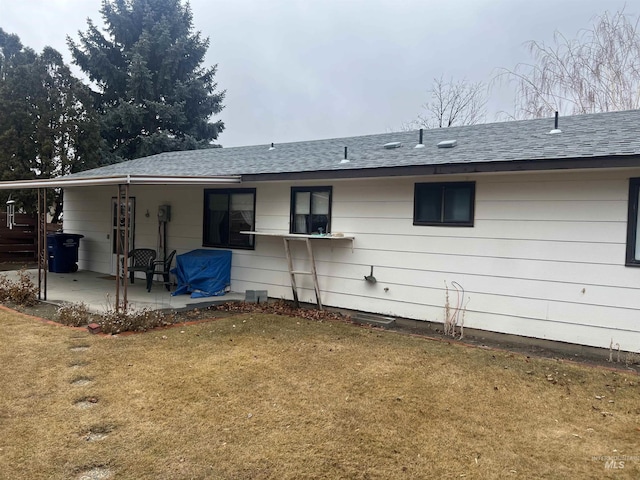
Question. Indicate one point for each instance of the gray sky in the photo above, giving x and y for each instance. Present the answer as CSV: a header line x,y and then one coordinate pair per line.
x,y
308,69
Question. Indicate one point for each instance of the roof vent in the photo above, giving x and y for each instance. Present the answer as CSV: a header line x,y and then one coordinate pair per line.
x,y
420,144
345,159
555,128
447,144
272,147
392,145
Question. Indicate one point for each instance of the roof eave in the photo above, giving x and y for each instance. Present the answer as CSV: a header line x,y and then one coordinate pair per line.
x,y
578,163
64,182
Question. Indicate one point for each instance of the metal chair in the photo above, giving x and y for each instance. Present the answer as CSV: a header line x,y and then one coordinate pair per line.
x,y
140,260
161,267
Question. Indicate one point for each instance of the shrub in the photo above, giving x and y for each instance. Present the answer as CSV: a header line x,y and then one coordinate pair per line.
x,y
118,320
21,291
114,321
74,314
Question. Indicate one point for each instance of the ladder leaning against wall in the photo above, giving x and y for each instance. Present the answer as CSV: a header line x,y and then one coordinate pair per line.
x,y
289,237
293,273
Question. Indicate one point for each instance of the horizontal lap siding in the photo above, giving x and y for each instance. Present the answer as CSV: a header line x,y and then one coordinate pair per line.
x,y
545,257
559,231
573,251
88,211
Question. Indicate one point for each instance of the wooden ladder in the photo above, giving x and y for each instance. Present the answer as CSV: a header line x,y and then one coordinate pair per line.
x,y
293,273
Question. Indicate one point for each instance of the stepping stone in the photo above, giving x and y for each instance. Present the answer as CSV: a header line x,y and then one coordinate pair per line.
x,y
79,348
97,432
79,382
96,473
85,403
78,364
94,437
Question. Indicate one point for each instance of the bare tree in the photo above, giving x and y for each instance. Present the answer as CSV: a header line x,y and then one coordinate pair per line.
x,y
597,71
452,103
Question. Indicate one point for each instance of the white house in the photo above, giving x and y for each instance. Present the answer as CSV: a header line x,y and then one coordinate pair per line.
x,y
538,227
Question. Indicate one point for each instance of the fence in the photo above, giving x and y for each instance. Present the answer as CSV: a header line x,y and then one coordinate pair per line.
x,y
21,242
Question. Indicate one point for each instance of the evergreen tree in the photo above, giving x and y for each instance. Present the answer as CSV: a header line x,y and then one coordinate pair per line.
x,y
153,94
48,126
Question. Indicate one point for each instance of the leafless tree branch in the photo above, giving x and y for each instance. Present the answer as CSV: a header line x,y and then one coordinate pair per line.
x,y
597,71
452,103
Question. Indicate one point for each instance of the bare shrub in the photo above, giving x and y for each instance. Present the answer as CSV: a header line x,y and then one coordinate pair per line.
x,y
74,314
20,292
454,316
116,320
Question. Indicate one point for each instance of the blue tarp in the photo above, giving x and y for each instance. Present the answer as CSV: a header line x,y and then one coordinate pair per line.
x,y
203,273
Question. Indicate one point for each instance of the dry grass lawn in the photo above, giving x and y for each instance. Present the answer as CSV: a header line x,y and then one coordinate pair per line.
x,y
269,397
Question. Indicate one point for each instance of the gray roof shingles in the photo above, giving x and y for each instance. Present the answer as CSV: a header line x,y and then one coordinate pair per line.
x,y
583,136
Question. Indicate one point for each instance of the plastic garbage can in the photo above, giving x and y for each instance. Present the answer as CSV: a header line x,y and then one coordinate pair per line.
x,y
62,249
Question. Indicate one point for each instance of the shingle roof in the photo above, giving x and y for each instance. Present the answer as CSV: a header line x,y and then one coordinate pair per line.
x,y
583,136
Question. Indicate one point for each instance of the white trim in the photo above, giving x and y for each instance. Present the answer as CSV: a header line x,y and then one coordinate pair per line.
x,y
116,180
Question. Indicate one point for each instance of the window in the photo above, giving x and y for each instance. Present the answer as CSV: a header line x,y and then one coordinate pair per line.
x,y
444,204
226,214
633,239
310,210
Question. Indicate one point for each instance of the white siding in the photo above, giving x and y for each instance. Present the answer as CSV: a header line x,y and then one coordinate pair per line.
x,y
88,211
545,258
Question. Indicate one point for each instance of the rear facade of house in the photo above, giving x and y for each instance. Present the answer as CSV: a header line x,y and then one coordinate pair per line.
x,y
538,254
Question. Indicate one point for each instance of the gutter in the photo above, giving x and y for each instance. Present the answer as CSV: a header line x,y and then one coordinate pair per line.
x,y
63,182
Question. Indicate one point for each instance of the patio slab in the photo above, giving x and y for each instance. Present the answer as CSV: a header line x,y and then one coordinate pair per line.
x,y
98,292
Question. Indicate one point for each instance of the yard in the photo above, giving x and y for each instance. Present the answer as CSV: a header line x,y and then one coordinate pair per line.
x,y
258,396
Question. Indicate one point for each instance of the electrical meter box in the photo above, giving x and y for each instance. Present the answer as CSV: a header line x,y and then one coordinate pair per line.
x,y
164,213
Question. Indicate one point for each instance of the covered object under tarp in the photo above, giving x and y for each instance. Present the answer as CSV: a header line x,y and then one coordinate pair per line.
x,y
203,273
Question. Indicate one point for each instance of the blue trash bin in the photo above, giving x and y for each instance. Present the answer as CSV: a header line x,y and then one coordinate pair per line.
x,y
62,249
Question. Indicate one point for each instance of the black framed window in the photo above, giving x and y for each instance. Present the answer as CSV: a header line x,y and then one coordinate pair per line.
x,y
227,213
444,204
633,239
310,210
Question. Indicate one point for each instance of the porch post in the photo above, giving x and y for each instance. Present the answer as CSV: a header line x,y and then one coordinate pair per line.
x,y
117,240
42,248
126,245
122,244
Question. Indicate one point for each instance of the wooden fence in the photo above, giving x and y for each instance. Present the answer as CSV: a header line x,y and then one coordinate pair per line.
x,y
21,242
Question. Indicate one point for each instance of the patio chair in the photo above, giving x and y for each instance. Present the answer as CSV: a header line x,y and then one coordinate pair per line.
x,y
160,267
140,260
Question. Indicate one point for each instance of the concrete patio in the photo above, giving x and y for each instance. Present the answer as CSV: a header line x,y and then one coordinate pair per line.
x,y
98,292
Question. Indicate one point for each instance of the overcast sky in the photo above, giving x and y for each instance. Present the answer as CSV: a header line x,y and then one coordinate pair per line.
x,y
307,69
